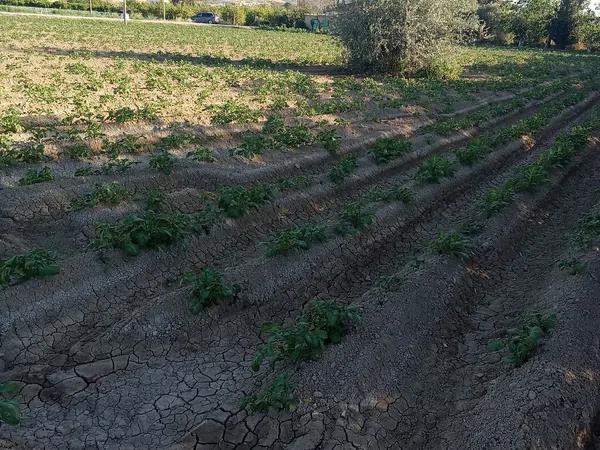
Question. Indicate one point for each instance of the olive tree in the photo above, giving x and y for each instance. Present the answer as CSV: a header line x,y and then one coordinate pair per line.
x,y
408,37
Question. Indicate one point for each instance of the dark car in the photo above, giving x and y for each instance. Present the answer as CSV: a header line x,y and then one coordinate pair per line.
x,y
206,17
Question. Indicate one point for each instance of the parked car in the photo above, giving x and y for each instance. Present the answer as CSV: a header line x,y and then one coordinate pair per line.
x,y
206,17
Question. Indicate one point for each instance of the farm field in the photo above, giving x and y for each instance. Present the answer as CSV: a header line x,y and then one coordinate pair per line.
x,y
219,238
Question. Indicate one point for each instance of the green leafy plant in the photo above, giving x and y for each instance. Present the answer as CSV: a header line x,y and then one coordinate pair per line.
x,y
331,140
474,152
388,149
587,231
10,409
235,201
108,194
435,168
297,238
573,266
495,200
390,194
324,322
354,217
33,176
36,263
78,151
11,123
294,136
232,111
345,167
201,154
451,243
274,124
293,183
277,395
31,152
528,178
523,341
128,144
134,232
253,144
163,162
208,289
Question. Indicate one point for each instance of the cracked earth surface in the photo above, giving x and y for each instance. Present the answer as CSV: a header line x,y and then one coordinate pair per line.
x,y
107,355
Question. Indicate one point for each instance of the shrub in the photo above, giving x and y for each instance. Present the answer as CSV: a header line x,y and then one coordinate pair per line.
x,y
409,37
33,264
324,322
208,289
388,149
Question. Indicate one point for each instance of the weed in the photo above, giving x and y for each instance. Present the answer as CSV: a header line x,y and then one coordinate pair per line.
x,y
235,201
277,395
134,232
109,194
36,263
10,410
297,238
127,114
435,168
176,140
208,289
523,341
163,162
495,200
343,169
331,140
388,149
451,243
573,266
324,322
391,282
33,176
354,217
201,154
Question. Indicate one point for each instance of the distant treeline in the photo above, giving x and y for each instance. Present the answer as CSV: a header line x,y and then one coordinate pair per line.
x,y
545,23
261,15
